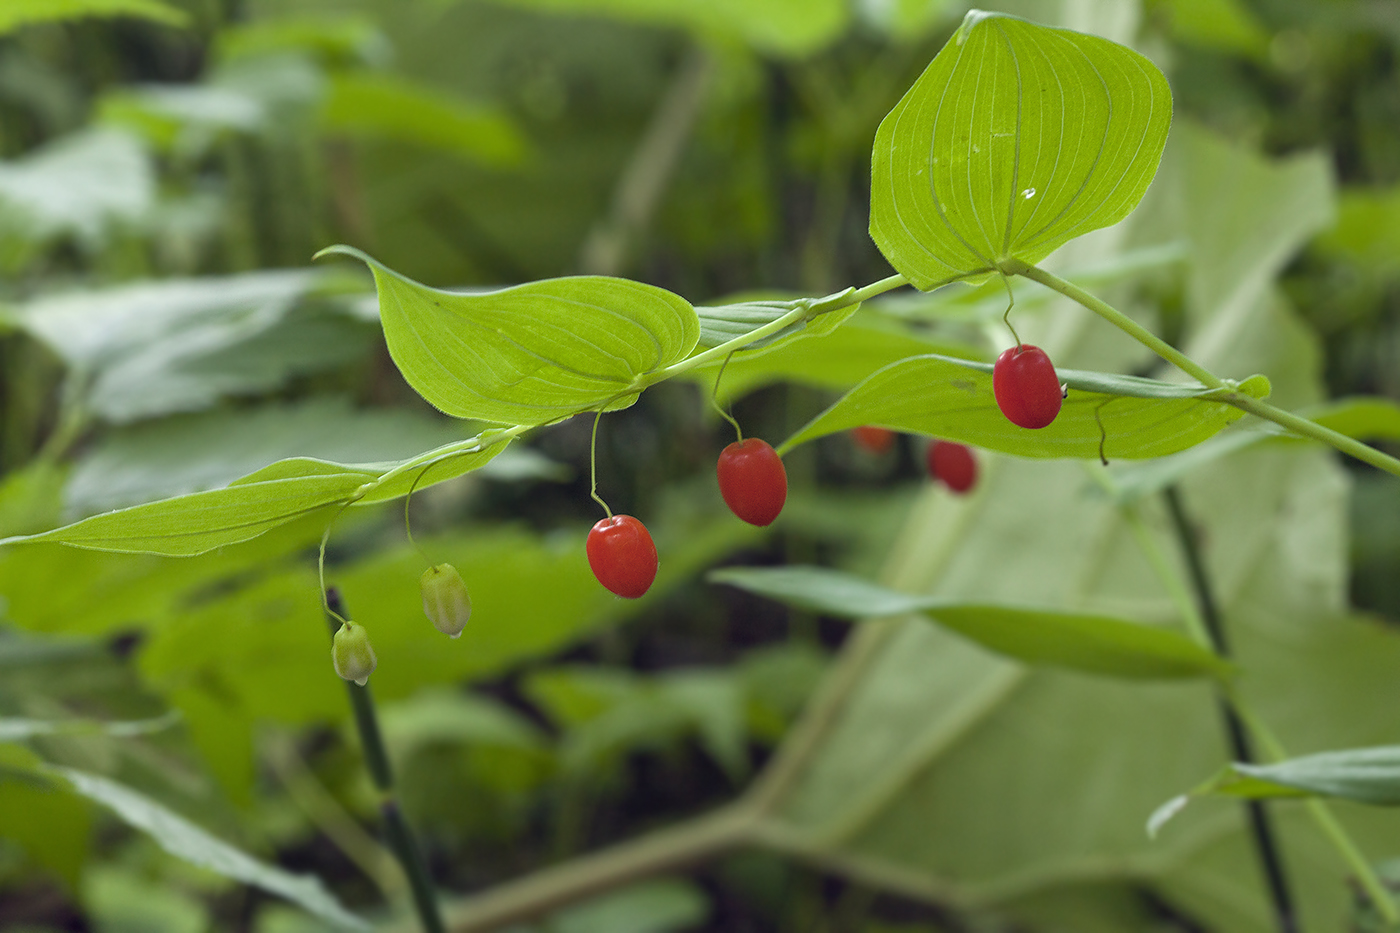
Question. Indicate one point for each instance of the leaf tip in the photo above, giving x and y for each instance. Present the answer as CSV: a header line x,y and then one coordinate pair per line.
x,y
340,249
1165,812
970,22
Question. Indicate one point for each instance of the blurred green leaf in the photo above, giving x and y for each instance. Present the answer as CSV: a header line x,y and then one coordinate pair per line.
x,y
1079,641
451,716
186,841
122,902
198,452
951,398
52,828
341,38
17,13
1367,231
151,348
15,729
783,27
1224,25
82,186
1017,139
391,107
531,353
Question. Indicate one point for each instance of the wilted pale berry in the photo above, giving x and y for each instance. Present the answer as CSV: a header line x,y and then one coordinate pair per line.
x,y
351,653
445,599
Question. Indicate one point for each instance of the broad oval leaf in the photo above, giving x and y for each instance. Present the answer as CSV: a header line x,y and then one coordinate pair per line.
x,y
532,353
1078,641
951,398
1015,140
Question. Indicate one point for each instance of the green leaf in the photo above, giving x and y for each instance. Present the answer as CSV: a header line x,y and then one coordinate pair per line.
x,y
1367,231
535,352
1078,641
390,107
1363,775
17,13
174,456
199,522
784,27
722,323
863,347
12,729
1225,25
1015,140
952,398
186,841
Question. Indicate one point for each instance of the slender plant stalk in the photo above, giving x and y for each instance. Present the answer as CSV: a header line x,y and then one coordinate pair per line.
x,y
1241,400
1260,826
664,851
400,837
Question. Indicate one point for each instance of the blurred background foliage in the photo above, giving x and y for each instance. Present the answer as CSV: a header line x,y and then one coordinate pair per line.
x,y
167,170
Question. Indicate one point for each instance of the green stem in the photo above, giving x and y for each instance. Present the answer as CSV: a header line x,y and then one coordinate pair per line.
x,y
400,837
822,306
1166,351
1117,318
661,852
1317,432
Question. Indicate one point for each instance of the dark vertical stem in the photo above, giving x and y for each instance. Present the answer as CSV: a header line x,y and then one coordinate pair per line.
x,y
399,836
1260,826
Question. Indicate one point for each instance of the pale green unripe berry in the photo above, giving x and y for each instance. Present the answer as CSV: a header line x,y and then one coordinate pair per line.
x,y
445,599
351,653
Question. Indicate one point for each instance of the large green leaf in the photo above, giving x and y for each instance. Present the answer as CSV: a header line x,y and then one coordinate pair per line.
x,y
186,841
946,397
535,352
1078,641
1015,140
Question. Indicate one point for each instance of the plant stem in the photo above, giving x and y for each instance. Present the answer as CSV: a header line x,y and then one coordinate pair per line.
x,y
1317,432
1242,715
400,837
661,852
1117,318
1259,824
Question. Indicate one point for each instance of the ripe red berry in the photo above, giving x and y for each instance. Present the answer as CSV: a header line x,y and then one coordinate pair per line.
x,y
1027,389
953,464
875,440
622,555
752,480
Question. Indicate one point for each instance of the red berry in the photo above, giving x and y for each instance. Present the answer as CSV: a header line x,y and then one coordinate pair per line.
x,y
622,555
1027,389
953,464
875,440
752,480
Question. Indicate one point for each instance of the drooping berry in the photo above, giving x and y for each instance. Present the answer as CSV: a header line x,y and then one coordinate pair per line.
x,y
752,480
445,599
351,653
622,555
953,464
1027,389
876,440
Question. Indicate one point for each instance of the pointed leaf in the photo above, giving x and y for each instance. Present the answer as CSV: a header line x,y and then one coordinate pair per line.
x,y
1015,140
952,398
531,353
1079,641
187,841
